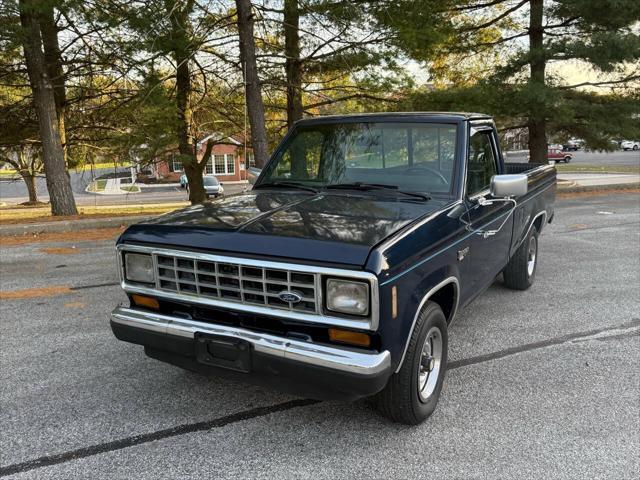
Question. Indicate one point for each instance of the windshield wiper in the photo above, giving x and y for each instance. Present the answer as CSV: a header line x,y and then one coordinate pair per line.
x,y
377,186
278,184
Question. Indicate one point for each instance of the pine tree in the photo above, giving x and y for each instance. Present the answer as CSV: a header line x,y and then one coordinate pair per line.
x,y
534,39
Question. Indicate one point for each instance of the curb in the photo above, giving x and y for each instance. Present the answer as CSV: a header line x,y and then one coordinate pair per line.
x,y
598,188
68,225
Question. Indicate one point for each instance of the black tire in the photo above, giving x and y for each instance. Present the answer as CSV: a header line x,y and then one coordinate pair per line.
x,y
519,274
400,401
635,148
567,159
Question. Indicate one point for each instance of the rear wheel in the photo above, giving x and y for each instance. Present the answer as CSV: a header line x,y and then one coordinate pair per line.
x,y
412,393
520,272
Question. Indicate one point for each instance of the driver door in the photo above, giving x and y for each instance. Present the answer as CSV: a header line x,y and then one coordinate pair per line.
x,y
487,254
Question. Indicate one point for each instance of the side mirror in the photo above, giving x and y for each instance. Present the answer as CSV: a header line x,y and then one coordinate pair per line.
x,y
509,185
252,174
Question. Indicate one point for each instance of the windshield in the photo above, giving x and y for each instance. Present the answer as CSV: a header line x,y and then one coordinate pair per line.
x,y
416,157
210,181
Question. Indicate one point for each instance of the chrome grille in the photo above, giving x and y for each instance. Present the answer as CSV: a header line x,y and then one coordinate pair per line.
x,y
235,282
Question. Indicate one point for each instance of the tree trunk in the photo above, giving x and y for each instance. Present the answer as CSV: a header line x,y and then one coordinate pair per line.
x,y
58,183
53,61
537,63
253,89
30,181
293,63
179,11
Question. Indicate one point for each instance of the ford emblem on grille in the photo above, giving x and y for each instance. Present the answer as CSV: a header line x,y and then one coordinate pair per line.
x,y
287,296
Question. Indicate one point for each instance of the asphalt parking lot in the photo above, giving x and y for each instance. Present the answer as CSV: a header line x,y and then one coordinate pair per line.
x,y
542,384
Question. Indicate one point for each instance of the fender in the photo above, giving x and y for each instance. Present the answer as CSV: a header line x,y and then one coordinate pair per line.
x,y
531,224
428,295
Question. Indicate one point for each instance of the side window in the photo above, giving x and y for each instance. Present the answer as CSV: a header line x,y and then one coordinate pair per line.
x,y
482,163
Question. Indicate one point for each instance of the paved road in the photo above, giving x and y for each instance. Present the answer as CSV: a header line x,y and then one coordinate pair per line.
x,y
14,188
543,384
608,159
14,191
619,158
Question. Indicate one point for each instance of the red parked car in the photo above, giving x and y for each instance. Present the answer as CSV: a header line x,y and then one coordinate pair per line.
x,y
558,155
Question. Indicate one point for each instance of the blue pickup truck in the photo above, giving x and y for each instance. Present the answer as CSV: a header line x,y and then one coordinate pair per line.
x,y
338,274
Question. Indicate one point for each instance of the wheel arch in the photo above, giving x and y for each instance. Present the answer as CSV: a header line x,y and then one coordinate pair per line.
x,y
447,295
539,221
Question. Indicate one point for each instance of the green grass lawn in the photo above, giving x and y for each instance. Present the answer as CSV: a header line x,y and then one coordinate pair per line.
x,y
571,168
97,185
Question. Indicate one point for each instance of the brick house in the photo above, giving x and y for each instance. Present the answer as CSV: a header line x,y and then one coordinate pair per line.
x,y
227,161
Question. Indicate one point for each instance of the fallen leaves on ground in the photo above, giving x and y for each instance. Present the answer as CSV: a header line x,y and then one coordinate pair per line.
x,y
568,195
75,305
77,236
52,291
61,250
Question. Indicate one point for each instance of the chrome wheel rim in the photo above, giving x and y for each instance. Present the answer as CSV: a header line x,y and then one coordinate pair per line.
x,y
430,364
531,256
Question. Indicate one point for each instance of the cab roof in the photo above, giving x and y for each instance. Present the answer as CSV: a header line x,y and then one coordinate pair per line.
x,y
451,117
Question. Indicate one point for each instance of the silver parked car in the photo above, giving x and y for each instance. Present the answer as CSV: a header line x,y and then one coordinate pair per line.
x,y
212,187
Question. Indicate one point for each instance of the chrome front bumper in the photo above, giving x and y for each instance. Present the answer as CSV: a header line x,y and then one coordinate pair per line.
x,y
339,359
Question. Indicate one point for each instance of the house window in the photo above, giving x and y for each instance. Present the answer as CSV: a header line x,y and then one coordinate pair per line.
x,y
177,166
222,165
218,162
251,160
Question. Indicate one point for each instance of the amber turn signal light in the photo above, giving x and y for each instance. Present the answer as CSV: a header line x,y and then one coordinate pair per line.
x,y
353,338
145,302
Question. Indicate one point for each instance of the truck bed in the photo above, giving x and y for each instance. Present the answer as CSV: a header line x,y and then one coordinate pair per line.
x,y
521,167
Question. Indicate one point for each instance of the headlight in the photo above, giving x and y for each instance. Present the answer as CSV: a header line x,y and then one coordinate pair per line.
x,y
138,267
347,296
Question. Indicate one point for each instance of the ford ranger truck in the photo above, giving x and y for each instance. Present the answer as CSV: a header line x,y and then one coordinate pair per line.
x,y
337,275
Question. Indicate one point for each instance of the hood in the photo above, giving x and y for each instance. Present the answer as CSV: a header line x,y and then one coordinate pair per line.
x,y
327,227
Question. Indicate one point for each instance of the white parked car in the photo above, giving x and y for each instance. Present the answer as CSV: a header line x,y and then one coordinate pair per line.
x,y
630,145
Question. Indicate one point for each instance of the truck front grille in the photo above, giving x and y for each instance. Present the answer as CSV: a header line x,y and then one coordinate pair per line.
x,y
234,282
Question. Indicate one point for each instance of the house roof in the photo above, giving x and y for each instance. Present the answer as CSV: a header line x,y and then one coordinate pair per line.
x,y
219,138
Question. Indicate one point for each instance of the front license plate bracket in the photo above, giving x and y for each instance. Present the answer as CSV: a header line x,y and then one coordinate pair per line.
x,y
224,352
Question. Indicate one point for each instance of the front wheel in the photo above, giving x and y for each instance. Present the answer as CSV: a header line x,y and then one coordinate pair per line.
x,y
412,393
520,272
